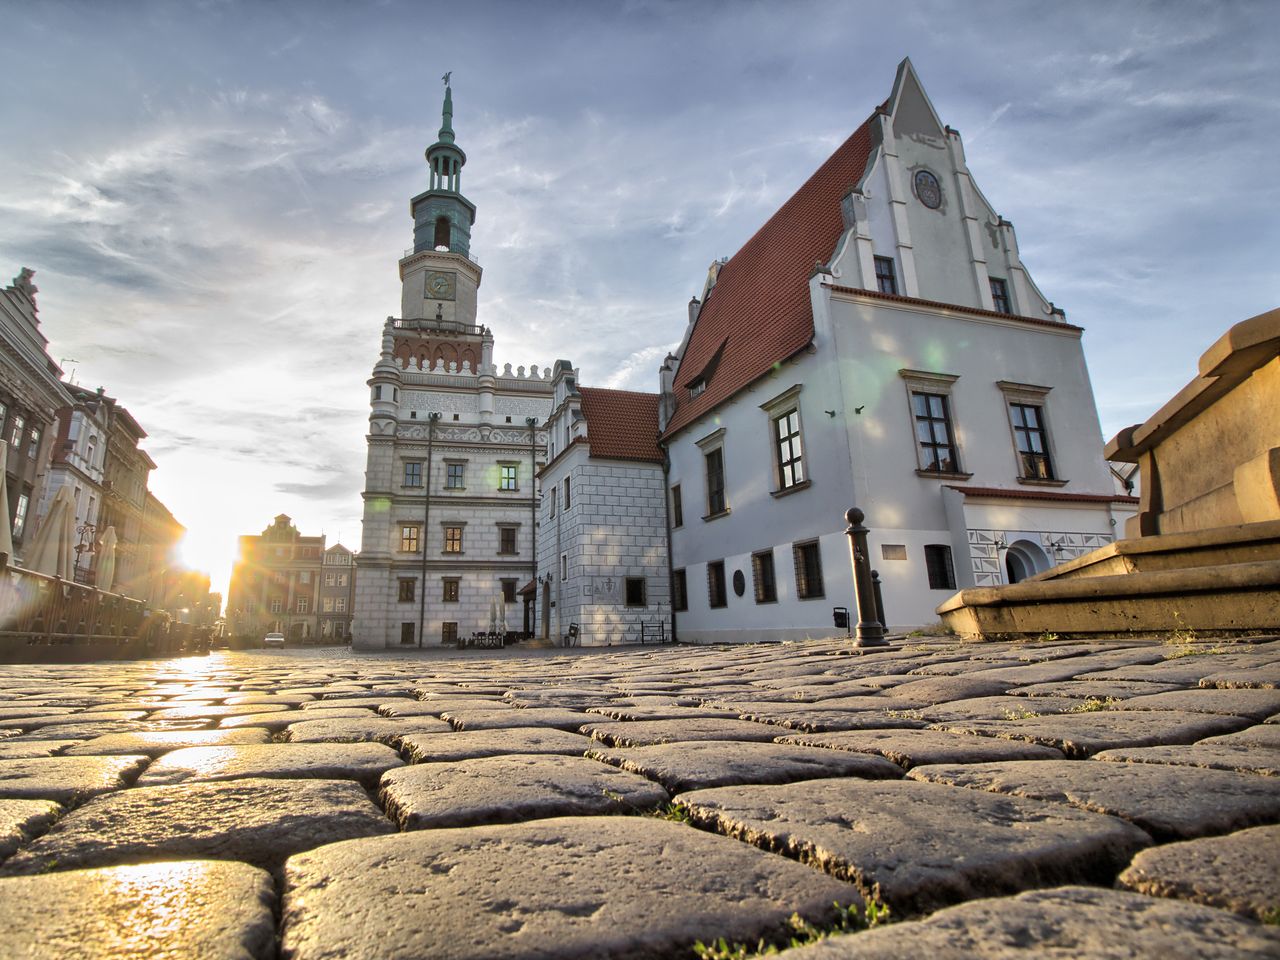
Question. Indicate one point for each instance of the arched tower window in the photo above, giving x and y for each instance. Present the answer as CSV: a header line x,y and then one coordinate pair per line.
x,y
442,233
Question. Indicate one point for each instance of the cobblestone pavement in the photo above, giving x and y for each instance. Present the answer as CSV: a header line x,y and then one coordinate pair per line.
x,y
1046,799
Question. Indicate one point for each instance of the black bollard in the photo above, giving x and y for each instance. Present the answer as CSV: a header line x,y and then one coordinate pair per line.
x,y
869,632
879,595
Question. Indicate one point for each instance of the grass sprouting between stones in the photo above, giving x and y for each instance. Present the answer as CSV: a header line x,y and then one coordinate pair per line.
x,y
799,932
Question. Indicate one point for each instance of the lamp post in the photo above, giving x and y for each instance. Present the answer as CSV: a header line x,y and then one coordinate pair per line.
x,y
88,534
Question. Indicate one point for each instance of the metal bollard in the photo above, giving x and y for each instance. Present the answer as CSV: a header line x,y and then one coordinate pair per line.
x,y
879,595
869,633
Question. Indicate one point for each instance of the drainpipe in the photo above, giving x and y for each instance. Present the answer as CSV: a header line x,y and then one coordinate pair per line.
x,y
666,513
426,520
532,424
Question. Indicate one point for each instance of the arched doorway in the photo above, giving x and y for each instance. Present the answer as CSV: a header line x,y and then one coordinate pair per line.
x,y
1024,559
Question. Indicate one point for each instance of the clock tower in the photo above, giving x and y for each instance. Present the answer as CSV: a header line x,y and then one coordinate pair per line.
x,y
438,277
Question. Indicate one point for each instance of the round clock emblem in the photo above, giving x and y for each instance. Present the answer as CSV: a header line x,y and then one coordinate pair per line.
x,y
928,189
440,285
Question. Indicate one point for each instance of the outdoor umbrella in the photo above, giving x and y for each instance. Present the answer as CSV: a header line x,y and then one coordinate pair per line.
x,y
53,548
502,613
107,560
6,535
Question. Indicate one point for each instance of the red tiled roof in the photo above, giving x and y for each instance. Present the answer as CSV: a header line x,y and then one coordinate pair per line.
x,y
621,424
1002,493
759,309
937,305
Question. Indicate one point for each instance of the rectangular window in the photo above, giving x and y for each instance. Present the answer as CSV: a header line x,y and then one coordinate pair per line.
x,y
342,579
564,567
933,432
553,493
508,590
409,538
568,500
406,633
449,631
452,539
808,570
326,604
304,576
508,478
1000,296
15,437
786,438
937,561
636,592
407,589
340,604
412,473
679,590
716,594
507,539
34,446
715,482
301,604
1029,437
330,579
886,279
20,515
452,589
762,576
677,507
276,605
453,475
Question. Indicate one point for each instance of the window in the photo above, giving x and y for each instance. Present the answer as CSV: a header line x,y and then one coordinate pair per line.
x,y
508,476
507,539
407,591
449,631
301,604
808,570
330,579
679,590
508,590
92,453
34,446
716,595
15,437
304,576
406,632
886,279
326,604
635,587
937,561
1000,296
677,507
786,438
553,496
413,473
20,515
715,482
276,605
568,500
452,589
453,474
697,388
933,432
1031,442
762,576
342,579
452,539
409,538
340,604
564,567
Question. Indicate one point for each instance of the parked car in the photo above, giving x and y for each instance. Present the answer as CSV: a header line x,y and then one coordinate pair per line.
x,y
273,640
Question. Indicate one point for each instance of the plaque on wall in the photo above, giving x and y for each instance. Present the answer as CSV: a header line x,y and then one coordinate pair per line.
x,y
441,284
928,189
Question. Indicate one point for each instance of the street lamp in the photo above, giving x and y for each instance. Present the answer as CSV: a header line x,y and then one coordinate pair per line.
x,y
88,534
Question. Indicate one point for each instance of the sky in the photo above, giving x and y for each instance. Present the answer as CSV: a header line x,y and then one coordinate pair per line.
x,y
214,195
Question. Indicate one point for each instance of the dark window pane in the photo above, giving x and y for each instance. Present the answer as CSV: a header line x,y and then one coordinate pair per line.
x,y
937,560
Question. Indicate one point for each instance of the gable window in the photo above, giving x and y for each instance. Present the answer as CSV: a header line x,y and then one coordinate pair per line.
x,y
937,562
677,507
697,388
808,563
508,476
413,473
453,539
766,588
717,596
507,539
636,594
453,474
409,533
679,590
886,279
1000,296
452,587
407,590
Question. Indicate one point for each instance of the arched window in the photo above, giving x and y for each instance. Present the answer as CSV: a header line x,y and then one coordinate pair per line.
x,y
442,233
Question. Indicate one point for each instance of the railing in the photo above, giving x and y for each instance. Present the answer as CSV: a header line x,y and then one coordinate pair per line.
x,y
45,618
469,255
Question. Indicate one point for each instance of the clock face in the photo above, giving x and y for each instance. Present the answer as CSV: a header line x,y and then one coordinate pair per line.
x,y
928,189
440,286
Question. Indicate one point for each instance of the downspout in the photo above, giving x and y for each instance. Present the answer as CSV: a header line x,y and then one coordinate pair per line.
x,y
426,526
532,424
666,512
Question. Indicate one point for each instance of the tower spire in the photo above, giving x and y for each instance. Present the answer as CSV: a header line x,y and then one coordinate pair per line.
x,y
442,216
446,124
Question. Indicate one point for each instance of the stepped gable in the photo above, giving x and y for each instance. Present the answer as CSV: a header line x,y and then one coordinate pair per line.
x,y
758,313
621,424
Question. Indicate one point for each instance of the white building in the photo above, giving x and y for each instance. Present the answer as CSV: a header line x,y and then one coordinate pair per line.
x,y
602,544
916,372
78,462
454,443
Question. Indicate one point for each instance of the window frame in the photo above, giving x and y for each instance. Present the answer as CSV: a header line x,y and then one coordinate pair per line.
x,y
508,476
505,530
764,587
627,584
677,506
881,277
411,474
568,498
450,589
804,576
926,383
1029,395
679,590
783,450
1000,300
461,474
411,534
406,589
453,532
717,587
712,446
940,576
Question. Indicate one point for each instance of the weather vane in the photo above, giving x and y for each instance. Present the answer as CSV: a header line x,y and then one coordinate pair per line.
x,y
446,77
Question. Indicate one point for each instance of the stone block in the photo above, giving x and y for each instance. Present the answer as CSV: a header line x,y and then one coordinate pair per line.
x,y
912,748
159,742
67,780
365,762
493,743
20,820
389,730
645,732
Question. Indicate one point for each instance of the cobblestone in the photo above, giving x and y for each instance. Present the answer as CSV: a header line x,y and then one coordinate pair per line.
x,y
773,757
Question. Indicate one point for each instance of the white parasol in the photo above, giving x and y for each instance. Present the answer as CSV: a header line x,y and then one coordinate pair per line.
x,y
6,534
107,560
53,550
